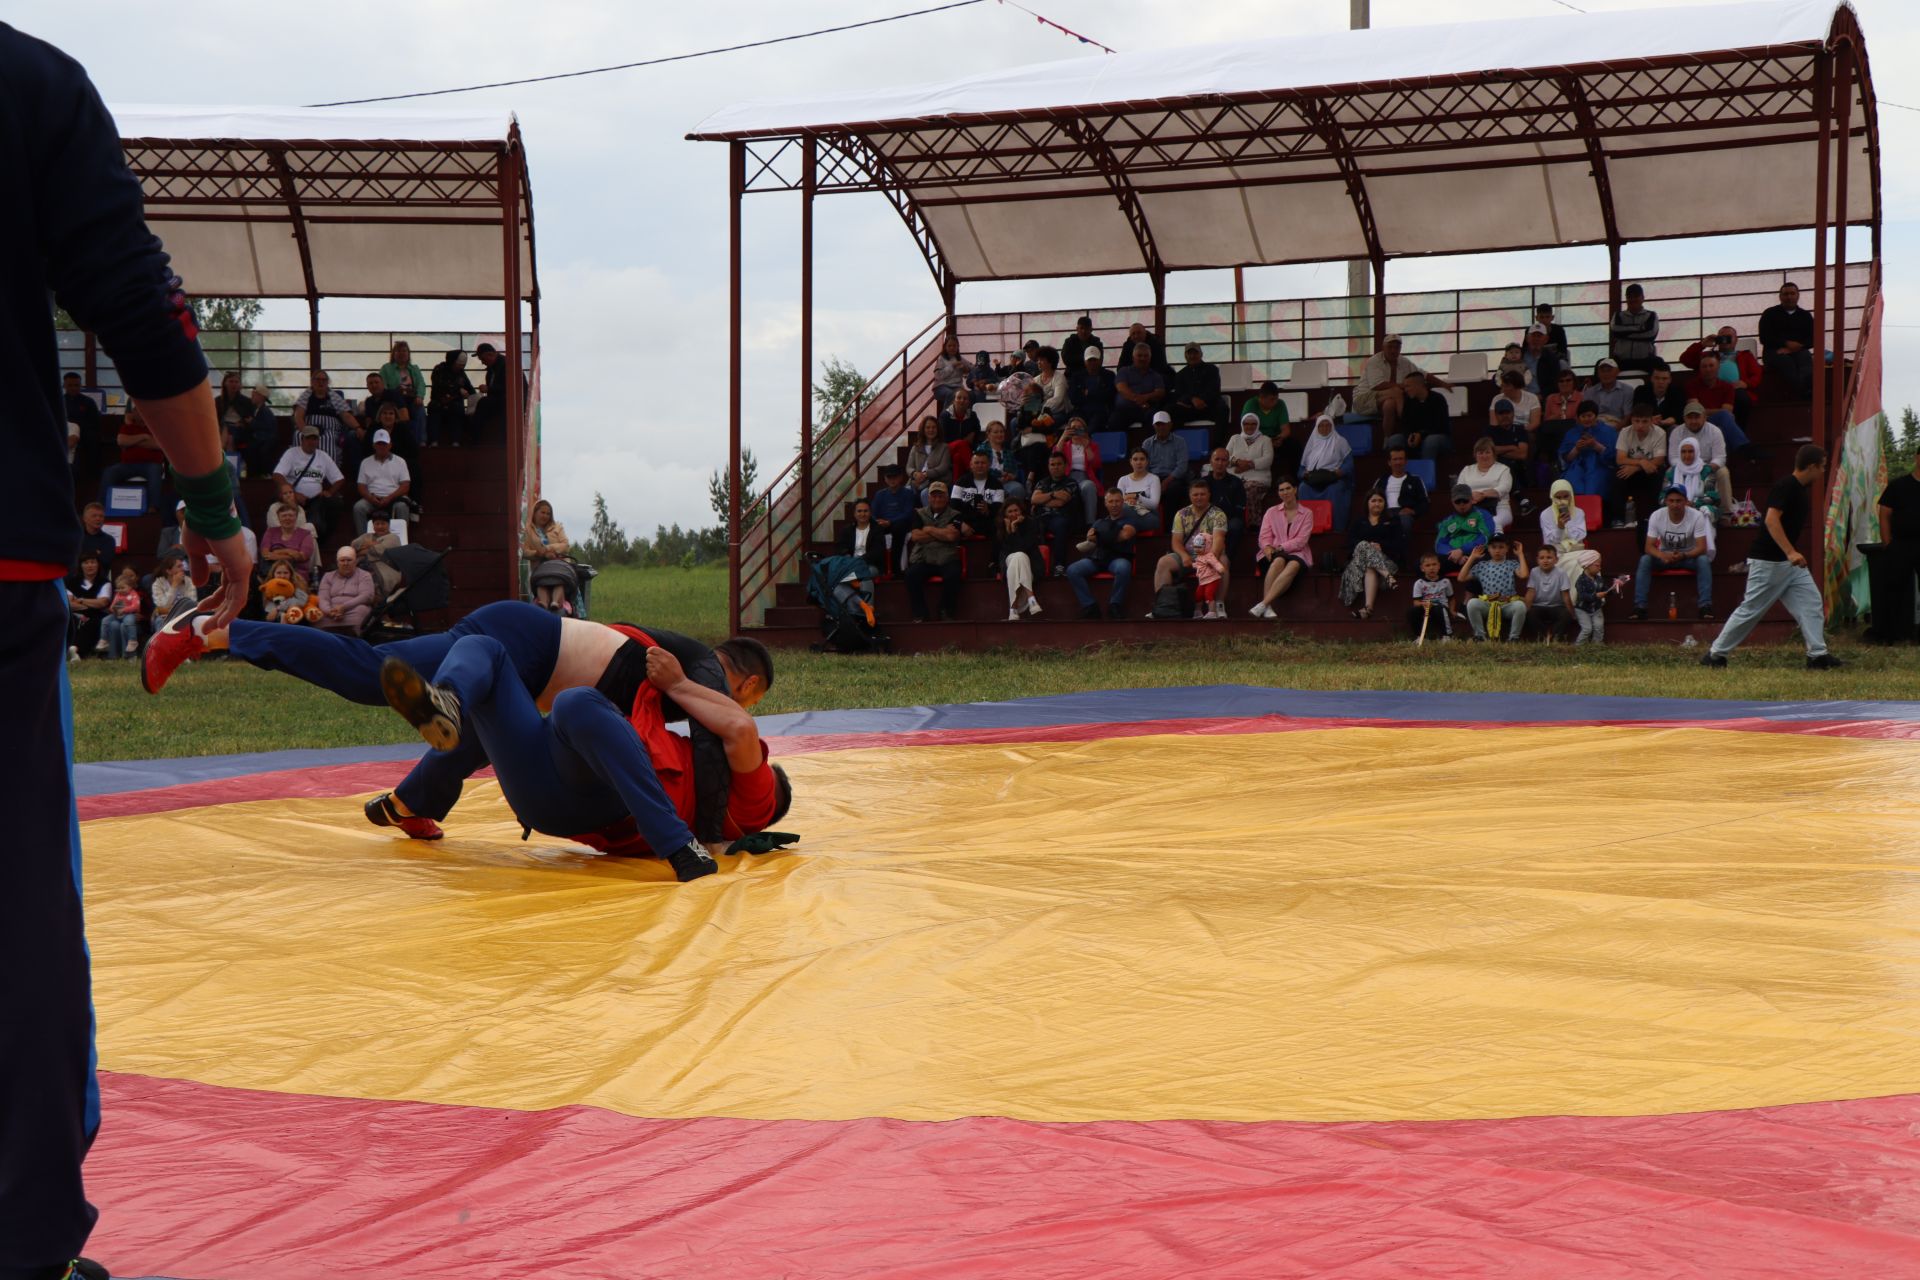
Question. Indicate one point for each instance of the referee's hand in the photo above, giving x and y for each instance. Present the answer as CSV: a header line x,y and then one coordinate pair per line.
x,y
236,572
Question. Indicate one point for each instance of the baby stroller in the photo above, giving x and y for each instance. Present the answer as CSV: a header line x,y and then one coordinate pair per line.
x,y
424,588
571,578
843,588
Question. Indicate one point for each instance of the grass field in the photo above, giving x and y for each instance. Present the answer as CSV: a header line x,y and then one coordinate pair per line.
x,y
215,708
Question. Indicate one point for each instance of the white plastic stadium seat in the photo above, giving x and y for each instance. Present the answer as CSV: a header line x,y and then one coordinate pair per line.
x,y
1307,375
1749,345
988,412
1467,366
1456,401
1296,402
1236,377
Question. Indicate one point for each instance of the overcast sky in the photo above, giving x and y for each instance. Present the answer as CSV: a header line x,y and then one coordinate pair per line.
x,y
631,219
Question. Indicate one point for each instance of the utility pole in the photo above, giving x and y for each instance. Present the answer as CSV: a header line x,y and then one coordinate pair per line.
x,y
1359,324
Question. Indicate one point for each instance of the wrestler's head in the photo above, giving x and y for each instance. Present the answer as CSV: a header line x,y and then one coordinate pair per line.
x,y
759,800
749,668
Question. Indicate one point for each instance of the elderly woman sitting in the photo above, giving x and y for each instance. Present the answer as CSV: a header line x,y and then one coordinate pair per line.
x,y
290,543
1326,469
346,595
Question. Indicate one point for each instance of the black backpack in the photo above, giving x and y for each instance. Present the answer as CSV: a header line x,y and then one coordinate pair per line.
x,y
1175,600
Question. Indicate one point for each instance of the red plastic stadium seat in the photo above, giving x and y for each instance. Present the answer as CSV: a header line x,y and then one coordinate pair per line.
x,y
1589,505
1322,513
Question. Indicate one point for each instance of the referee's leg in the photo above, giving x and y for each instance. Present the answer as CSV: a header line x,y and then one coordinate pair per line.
x,y
49,1101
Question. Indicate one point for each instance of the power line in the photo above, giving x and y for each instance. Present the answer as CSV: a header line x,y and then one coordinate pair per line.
x,y
677,57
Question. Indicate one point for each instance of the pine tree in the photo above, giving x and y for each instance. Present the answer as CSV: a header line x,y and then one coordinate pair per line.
x,y
837,391
606,543
750,497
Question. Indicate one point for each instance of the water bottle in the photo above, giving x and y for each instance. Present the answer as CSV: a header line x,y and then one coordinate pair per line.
x,y
1673,606
1633,513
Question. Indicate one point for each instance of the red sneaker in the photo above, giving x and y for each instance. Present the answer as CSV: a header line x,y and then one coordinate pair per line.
x,y
382,813
170,646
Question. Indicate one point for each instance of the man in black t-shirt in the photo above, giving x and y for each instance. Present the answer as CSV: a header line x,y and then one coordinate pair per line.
x,y
1900,531
1777,570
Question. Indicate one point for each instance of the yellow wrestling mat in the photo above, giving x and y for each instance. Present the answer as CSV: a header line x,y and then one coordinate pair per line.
x,y
1338,924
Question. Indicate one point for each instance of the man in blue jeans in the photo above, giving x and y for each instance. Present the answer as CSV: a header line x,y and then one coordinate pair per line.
x,y
1776,570
1677,538
72,230
1107,549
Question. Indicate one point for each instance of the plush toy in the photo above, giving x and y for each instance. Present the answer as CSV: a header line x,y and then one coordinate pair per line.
x,y
285,600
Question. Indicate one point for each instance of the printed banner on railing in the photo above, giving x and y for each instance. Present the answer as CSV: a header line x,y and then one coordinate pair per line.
x,y
1856,475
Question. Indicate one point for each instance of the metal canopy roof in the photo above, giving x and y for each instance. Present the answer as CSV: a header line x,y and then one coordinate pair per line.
x,y
1468,138
275,202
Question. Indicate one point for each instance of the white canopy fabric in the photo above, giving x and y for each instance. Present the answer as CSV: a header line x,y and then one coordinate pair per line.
x,y
273,202
1476,137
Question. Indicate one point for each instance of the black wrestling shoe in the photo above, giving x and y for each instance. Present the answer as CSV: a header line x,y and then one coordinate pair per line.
x,y
691,863
382,813
78,1269
1825,662
434,711
1712,659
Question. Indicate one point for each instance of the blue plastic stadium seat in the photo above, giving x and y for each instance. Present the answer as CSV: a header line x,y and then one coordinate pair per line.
x,y
1199,442
1426,469
1112,446
1359,435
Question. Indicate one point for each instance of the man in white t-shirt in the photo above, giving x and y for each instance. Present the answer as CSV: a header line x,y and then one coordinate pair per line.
x,y
383,483
1678,537
1550,595
315,479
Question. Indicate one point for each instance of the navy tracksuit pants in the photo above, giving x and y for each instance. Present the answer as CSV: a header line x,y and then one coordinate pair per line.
x,y
49,1099
580,768
350,667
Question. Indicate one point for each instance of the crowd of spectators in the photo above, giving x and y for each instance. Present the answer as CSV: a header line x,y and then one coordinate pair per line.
x,y
1649,442
347,477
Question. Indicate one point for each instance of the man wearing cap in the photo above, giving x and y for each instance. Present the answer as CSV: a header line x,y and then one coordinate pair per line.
x,y
383,483
1777,569
314,477
492,409
1510,439
1786,341
1196,391
323,407
1092,389
1166,454
1380,390
1073,349
1139,390
1632,334
1250,456
1556,334
1707,438
1612,397
1678,537
1465,531
934,551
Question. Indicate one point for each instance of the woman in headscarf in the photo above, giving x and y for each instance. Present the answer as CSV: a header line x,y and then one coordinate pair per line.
x,y
1701,481
1379,546
928,459
1563,526
1326,469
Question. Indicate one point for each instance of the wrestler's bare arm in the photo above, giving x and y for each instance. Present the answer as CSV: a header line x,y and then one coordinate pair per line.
x,y
722,715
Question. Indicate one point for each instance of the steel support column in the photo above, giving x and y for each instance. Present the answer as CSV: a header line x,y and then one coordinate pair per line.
x,y
1576,96
516,417
1159,277
807,183
291,195
736,190
1843,120
1821,189
1379,303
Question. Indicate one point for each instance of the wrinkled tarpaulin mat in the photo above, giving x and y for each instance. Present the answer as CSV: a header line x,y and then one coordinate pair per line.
x,y
1225,984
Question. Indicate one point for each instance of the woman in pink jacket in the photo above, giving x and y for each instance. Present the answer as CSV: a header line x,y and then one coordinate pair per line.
x,y
1285,536
347,595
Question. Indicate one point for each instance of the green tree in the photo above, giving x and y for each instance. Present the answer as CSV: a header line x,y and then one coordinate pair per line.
x,y
605,542
750,496
1899,451
230,315
837,402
